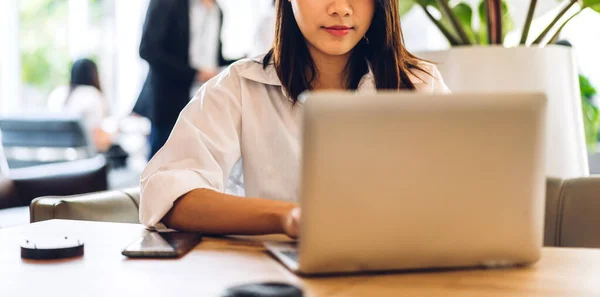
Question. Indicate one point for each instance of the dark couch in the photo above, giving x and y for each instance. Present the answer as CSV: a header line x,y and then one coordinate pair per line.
x,y
20,186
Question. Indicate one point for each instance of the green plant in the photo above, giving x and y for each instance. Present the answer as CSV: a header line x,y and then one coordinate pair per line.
x,y
43,41
591,114
44,52
455,20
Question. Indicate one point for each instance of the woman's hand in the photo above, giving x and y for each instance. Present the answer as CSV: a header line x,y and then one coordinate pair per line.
x,y
291,223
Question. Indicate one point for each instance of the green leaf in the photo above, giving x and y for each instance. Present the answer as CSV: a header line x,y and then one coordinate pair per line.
x,y
464,13
508,23
443,24
590,118
405,6
448,13
446,23
591,114
44,58
426,2
587,90
591,125
443,29
593,4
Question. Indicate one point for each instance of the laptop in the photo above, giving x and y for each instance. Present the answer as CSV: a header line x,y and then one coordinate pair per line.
x,y
409,181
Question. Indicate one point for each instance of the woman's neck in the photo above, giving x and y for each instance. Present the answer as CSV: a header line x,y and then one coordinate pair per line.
x,y
330,72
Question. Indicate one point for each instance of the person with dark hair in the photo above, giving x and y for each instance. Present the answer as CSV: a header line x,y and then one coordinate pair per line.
x,y
84,97
181,43
252,112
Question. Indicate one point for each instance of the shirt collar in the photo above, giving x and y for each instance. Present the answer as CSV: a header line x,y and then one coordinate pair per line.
x,y
268,76
258,73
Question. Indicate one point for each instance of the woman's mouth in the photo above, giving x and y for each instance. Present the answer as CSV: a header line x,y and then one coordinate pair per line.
x,y
338,30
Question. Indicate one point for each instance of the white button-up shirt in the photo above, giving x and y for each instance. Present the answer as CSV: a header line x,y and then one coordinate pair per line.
x,y
242,114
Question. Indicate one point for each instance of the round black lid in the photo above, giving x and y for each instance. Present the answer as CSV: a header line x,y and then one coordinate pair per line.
x,y
51,248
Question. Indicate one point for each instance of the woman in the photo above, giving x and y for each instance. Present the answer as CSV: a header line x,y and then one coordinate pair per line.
x,y
251,112
83,97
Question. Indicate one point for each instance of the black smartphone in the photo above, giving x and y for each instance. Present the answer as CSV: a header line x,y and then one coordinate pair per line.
x,y
162,245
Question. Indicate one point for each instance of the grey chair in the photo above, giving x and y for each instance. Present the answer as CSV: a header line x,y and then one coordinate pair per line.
x,y
573,212
31,140
119,206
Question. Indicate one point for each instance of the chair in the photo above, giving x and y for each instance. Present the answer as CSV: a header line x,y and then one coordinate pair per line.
x,y
46,156
120,206
32,140
21,186
572,210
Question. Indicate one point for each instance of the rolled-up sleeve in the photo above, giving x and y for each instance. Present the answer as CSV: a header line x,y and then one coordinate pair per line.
x,y
200,152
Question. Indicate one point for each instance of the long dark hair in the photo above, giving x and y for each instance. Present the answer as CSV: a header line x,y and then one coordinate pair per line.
x,y
84,73
383,47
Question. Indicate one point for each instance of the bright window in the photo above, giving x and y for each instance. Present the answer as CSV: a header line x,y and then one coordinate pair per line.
x,y
44,55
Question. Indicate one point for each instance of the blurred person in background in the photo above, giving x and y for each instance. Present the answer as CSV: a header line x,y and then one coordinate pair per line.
x,y
181,43
265,31
83,97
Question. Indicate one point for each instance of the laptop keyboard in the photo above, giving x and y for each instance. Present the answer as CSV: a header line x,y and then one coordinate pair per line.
x,y
291,254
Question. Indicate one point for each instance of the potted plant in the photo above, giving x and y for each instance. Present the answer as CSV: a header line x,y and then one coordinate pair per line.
x,y
480,60
456,21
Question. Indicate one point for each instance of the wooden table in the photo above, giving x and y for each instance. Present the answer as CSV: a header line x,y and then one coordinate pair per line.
x,y
216,264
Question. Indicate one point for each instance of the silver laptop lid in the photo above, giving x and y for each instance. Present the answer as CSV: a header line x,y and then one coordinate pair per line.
x,y
407,180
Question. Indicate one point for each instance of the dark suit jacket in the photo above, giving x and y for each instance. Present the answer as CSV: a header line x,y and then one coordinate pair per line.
x,y
165,46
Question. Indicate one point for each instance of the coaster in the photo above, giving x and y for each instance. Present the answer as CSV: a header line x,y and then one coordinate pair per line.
x,y
264,290
55,248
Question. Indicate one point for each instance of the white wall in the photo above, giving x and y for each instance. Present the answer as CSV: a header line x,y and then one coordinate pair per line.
x,y
79,26
584,34
130,69
10,68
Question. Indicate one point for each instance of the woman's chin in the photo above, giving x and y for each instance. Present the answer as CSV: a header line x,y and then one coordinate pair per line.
x,y
335,49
